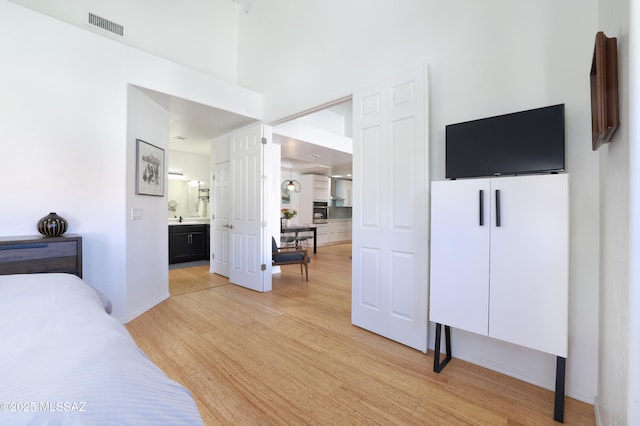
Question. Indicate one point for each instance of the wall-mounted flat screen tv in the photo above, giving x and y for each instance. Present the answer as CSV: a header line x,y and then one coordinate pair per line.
x,y
518,143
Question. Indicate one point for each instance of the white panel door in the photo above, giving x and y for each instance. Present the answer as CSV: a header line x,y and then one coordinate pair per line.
x,y
390,209
221,219
248,253
529,262
460,226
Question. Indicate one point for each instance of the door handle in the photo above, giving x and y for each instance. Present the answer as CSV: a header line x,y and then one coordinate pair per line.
x,y
228,226
497,207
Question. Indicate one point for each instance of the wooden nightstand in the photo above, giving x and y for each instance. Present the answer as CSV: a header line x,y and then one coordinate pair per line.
x,y
34,254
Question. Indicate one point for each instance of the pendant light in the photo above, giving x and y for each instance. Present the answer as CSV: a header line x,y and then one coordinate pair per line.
x,y
290,184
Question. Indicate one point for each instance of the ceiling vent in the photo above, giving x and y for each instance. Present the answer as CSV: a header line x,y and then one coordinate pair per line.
x,y
106,24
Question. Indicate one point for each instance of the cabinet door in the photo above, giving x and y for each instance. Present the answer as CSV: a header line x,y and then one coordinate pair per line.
x,y
529,262
207,242
321,188
343,192
348,193
322,232
460,225
197,245
179,248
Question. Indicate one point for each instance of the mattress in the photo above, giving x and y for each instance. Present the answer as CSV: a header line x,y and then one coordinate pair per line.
x,y
65,361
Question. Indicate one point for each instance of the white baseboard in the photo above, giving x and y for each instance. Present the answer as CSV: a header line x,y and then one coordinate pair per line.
x,y
596,406
525,375
147,307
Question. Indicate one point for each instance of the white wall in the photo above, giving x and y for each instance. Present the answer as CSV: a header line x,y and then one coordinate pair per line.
x,y
147,282
615,231
633,373
327,120
66,144
485,58
200,34
192,166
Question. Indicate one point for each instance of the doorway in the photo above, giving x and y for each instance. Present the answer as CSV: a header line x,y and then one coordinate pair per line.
x,y
317,154
191,126
390,259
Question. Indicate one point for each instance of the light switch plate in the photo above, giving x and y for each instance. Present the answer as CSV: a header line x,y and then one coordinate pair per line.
x,y
136,214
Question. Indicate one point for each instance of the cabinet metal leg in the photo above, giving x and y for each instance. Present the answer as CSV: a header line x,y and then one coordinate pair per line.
x,y
437,365
558,410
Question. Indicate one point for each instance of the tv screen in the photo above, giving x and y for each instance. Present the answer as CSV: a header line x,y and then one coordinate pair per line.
x,y
518,143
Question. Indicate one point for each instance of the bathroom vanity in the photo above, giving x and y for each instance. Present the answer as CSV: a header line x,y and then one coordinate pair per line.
x,y
188,242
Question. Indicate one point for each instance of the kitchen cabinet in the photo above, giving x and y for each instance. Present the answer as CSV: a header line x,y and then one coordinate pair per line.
x,y
322,232
321,188
318,187
315,188
499,260
342,193
339,230
188,243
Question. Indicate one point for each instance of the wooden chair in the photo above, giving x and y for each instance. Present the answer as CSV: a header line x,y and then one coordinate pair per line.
x,y
289,256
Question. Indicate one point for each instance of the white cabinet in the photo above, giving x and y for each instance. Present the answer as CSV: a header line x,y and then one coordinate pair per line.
x,y
499,258
317,186
339,230
322,232
459,284
343,193
314,188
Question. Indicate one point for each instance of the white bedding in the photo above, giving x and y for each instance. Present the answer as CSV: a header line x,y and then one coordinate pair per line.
x,y
64,361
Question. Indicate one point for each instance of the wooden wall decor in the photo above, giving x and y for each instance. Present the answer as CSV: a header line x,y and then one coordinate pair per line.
x,y
604,90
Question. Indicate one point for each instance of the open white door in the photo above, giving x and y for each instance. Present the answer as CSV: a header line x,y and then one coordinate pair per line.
x,y
221,219
391,208
250,250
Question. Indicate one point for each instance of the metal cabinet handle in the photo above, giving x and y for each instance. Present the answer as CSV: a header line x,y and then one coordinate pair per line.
x,y
497,207
481,206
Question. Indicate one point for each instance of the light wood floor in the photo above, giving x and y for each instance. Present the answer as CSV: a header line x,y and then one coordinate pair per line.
x,y
291,356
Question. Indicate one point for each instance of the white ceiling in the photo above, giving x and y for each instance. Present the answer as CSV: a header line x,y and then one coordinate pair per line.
x,y
308,158
193,126
199,124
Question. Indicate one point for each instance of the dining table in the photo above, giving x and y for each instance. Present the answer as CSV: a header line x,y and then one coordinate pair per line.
x,y
296,230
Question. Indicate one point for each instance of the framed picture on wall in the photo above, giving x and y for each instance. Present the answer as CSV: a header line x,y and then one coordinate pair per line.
x,y
605,117
150,174
286,197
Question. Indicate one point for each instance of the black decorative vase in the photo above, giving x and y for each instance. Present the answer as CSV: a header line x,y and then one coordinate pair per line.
x,y
52,225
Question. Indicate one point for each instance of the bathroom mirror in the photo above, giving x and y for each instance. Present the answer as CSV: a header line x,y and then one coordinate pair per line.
x,y
192,199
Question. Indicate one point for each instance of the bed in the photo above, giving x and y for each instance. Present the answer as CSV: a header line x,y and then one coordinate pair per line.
x,y
65,361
